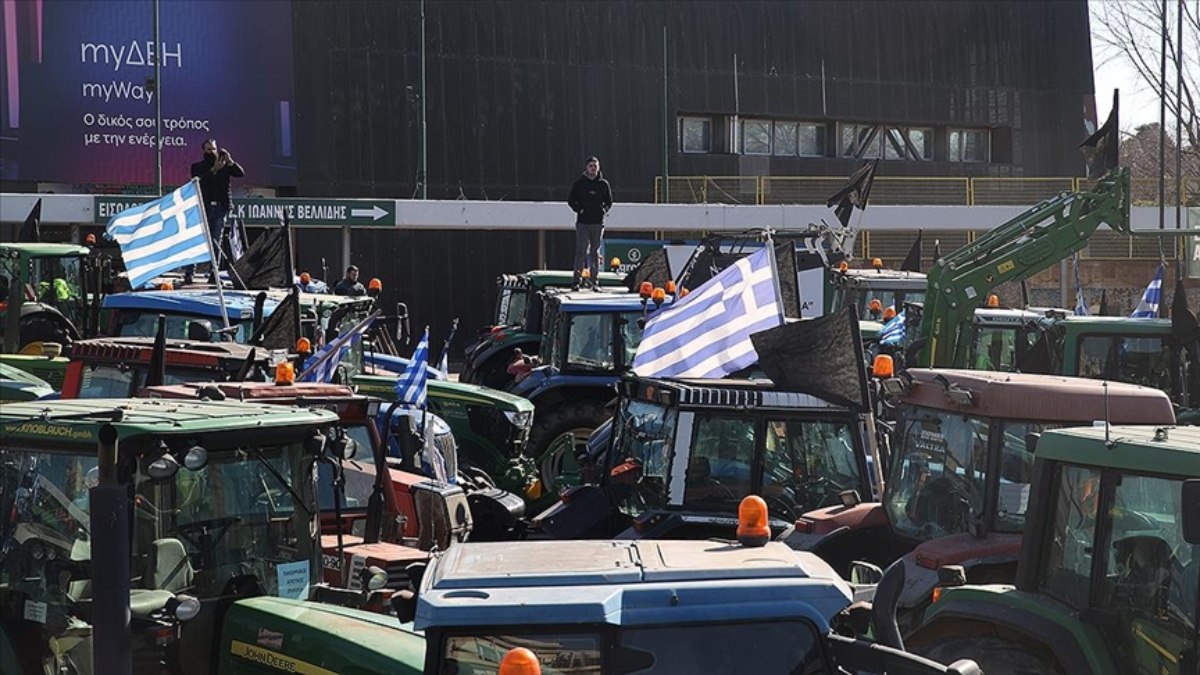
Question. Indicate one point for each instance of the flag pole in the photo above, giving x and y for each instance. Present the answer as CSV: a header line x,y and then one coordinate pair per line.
x,y
216,271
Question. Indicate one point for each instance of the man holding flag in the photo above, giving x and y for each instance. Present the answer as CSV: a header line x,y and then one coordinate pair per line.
x,y
162,235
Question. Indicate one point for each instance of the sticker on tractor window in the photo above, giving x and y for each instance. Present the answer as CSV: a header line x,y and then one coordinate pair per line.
x,y
35,611
293,579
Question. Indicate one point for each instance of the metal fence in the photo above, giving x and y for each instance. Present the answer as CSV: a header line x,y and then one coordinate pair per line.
x,y
893,245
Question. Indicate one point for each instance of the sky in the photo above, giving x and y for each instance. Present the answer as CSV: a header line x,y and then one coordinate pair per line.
x,y
1139,103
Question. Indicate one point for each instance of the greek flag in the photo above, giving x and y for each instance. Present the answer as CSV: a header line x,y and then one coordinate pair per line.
x,y
1148,307
162,235
893,332
707,334
322,366
412,383
1081,308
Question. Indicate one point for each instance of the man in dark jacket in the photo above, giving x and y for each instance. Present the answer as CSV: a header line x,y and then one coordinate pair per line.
x,y
214,172
350,285
591,198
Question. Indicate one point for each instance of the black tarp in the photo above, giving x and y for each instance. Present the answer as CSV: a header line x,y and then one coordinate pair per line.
x,y
821,356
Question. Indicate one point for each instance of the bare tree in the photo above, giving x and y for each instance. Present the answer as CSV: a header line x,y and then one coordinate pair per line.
x,y
1131,30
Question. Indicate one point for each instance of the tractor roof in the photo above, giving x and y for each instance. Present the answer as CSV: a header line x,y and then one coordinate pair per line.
x,y
625,583
255,391
1117,324
185,353
18,385
1158,449
78,421
40,250
724,393
608,300
549,278
1050,398
192,302
887,278
1007,315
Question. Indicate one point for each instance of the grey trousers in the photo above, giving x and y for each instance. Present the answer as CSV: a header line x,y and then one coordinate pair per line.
x,y
588,235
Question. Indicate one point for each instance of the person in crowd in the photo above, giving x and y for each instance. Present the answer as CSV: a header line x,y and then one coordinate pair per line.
x,y
214,170
350,285
591,198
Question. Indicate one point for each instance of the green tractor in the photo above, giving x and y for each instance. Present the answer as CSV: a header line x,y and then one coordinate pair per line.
x,y
48,293
1107,580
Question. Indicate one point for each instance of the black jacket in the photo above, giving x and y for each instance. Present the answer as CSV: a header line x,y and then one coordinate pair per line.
x,y
347,287
214,185
590,199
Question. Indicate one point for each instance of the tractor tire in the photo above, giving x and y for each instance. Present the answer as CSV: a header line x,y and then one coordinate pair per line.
x,y
556,461
44,328
995,656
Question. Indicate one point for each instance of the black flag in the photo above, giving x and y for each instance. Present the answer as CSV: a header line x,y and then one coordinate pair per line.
x,y
1184,326
31,231
821,356
1100,149
653,268
156,375
267,263
1103,311
281,330
789,282
856,192
912,261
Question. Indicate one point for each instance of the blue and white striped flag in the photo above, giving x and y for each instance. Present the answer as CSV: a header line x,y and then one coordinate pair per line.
x,y
413,382
322,365
707,334
894,331
1148,307
1081,308
162,235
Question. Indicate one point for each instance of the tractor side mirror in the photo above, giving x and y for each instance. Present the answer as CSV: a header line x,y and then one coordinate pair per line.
x,y
402,328
1031,442
952,575
1190,506
404,604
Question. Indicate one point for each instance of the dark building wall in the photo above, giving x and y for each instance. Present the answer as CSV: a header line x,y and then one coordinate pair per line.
x,y
519,92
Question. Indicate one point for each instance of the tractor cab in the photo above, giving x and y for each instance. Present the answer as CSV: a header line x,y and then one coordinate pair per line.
x,y
220,506
516,324
958,486
373,513
684,453
861,288
45,291
119,367
1108,579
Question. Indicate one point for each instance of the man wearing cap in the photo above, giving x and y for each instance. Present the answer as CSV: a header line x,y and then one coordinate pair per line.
x,y
349,285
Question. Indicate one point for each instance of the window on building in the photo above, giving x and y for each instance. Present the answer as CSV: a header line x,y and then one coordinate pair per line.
x,y
785,139
756,137
811,138
968,145
695,134
870,141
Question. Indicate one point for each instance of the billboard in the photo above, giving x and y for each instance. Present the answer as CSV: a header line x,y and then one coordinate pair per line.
x,y
79,98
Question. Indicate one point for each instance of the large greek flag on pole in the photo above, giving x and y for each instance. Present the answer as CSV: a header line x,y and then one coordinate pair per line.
x,y
1151,298
413,383
707,334
162,235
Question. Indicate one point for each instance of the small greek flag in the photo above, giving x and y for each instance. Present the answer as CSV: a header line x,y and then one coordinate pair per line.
x,y
1148,307
707,334
162,235
444,363
413,382
893,332
1081,308
322,366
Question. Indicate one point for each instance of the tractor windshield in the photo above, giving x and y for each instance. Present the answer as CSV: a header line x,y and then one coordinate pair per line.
x,y
590,343
1000,348
179,327
57,280
1143,360
510,307
249,511
120,381
941,473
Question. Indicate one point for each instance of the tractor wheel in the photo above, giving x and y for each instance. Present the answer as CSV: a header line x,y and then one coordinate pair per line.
x,y
557,435
995,656
44,328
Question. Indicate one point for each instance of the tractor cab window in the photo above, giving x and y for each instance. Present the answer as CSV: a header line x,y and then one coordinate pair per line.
x,y
995,348
44,502
1136,360
939,474
1068,564
1151,572
247,512
120,380
806,464
358,471
631,336
893,298
590,342
57,280
720,470
559,653
643,434
145,324
514,311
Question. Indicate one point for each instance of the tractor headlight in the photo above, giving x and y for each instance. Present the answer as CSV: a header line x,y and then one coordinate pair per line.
x,y
183,607
518,419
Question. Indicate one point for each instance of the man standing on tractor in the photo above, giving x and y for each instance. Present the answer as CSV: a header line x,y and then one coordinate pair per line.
x,y
591,198
350,285
214,172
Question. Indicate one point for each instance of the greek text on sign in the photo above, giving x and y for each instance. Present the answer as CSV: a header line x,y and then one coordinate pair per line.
x,y
269,211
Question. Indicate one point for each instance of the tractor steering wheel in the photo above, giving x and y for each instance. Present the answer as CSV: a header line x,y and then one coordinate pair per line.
x,y
204,535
